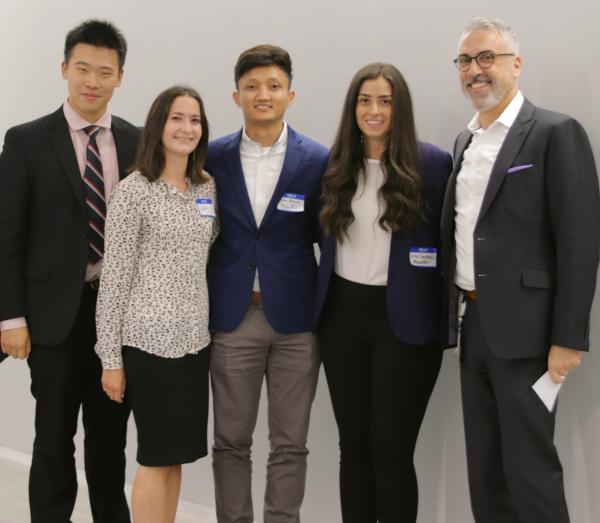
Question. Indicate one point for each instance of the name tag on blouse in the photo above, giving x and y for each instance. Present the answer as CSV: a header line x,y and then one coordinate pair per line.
x,y
425,257
206,207
291,202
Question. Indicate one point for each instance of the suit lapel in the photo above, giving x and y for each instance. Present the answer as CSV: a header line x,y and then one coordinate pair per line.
x,y
234,166
294,155
60,139
119,146
510,148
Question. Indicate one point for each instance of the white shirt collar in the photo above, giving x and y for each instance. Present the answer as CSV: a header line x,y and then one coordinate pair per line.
x,y
281,140
507,118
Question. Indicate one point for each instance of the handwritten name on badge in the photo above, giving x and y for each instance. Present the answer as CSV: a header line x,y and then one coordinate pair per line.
x,y
425,257
206,207
291,202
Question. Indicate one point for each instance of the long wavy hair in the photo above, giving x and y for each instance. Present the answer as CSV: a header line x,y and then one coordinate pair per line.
x,y
402,192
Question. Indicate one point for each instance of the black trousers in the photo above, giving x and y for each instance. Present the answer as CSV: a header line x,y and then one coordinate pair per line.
x,y
379,389
515,475
63,379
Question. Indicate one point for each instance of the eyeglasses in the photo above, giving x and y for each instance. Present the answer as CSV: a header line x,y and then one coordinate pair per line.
x,y
484,60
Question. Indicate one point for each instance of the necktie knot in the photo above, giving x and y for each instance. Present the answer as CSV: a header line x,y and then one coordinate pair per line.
x,y
91,130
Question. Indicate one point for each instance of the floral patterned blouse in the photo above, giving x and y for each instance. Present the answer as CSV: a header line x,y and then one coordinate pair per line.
x,y
153,293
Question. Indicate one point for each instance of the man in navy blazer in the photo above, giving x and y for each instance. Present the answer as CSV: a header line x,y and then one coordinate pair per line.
x,y
262,278
520,237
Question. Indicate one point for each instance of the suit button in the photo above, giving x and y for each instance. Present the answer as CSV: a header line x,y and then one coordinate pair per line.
x,y
480,238
251,267
481,275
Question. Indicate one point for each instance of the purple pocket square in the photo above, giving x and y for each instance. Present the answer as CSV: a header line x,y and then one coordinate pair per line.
x,y
517,168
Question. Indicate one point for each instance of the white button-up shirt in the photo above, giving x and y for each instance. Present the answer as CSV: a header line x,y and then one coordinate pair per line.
x,y
262,167
472,182
364,256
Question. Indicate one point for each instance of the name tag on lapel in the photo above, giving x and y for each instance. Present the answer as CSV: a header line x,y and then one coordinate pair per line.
x,y
291,202
425,257
206,207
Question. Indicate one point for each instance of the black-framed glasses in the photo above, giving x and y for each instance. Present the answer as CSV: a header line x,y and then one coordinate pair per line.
x,y
484,60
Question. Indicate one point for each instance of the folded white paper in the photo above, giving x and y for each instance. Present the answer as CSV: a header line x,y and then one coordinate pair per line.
x,y
547,390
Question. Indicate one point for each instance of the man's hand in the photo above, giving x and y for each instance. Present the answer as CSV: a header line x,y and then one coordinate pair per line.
x,y
16,342
561,361
113,383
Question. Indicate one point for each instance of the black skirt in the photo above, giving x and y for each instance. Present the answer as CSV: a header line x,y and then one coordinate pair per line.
x,y
169,400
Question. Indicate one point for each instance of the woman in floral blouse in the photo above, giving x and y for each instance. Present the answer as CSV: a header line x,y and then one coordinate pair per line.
x,y
152,316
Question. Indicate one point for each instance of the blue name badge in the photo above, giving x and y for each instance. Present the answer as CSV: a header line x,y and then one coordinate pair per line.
x,y
291,202
206,207
424,257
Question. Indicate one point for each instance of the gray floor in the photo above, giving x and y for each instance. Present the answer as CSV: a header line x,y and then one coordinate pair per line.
x,y
13,498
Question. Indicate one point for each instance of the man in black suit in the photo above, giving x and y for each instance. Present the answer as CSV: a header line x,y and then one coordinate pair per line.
x,y
55,176
520,236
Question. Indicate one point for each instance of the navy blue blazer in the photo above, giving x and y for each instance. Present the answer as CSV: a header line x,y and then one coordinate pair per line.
x,y
413,293
281,248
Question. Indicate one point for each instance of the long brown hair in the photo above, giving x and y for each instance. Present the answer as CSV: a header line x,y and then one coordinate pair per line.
x,y
150,158
402,191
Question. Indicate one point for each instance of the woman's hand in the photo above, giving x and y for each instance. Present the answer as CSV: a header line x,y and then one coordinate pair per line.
x,y
113,383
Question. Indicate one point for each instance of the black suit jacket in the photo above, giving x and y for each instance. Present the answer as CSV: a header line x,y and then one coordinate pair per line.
x,y
537,238
44,223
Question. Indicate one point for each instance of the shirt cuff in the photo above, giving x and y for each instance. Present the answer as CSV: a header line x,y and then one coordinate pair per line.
x,y
14,323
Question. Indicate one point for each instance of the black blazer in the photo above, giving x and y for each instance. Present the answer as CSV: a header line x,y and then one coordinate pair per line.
x,y
44,223
537,238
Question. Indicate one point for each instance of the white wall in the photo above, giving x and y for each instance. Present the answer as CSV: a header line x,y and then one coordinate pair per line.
x,y
198,42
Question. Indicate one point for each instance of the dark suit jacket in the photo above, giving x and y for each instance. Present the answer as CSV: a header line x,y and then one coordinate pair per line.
x,y
281,248
536,242
413,293
44,223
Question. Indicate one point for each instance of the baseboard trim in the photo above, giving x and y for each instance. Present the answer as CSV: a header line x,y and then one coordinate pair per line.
x,y
187,509
14,456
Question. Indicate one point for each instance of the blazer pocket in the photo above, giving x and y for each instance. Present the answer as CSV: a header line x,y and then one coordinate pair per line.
x,y
537,279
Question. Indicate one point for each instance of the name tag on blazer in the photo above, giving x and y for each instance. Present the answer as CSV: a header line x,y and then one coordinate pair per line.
x,y
423,257
291,202
206,207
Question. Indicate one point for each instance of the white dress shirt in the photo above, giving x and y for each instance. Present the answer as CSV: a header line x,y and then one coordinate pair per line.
x,y
364,256
262,167
472,182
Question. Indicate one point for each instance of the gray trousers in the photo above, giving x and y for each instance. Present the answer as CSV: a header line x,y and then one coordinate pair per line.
x,y
239,361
